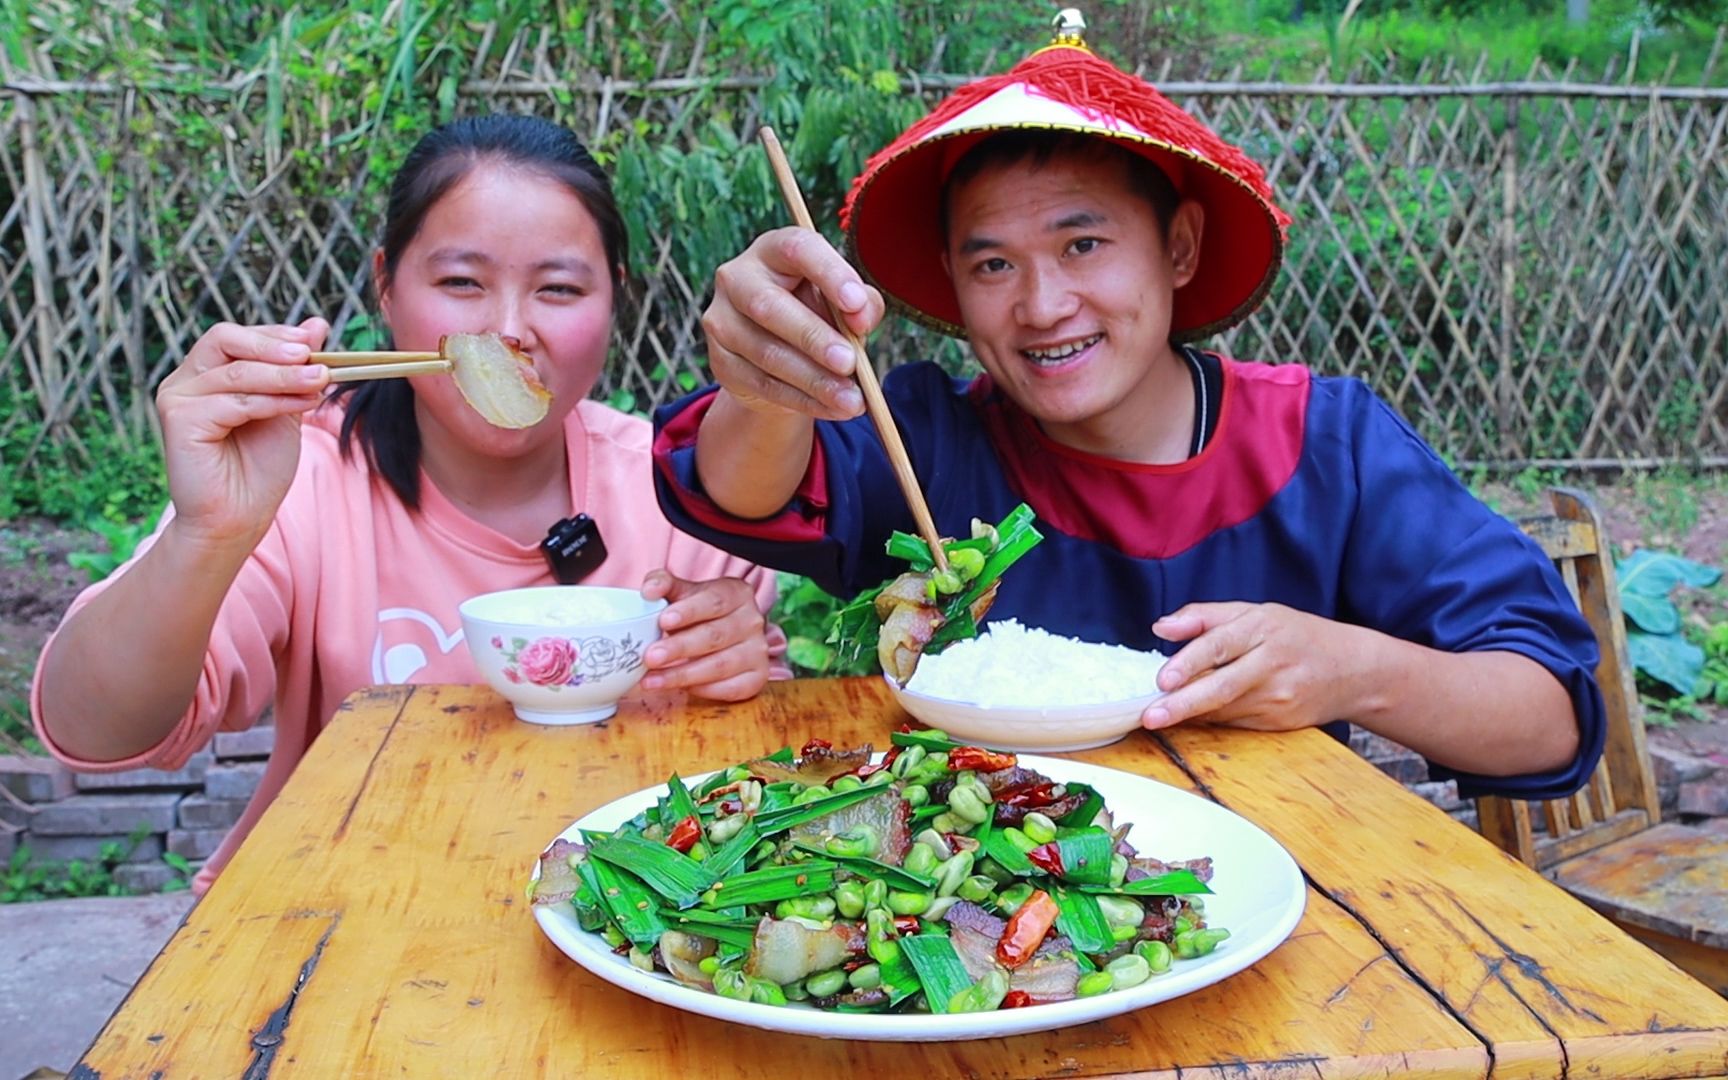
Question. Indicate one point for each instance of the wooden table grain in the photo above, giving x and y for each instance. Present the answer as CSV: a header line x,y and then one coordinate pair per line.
x,y
374,924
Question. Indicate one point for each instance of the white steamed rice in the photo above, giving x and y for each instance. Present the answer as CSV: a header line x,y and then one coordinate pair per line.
x,y
1014,666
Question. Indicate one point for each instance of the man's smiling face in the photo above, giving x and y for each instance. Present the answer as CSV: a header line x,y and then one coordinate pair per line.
x,y
1065,280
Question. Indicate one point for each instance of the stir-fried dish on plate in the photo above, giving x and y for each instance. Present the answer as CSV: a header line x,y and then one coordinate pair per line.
x,y
936,878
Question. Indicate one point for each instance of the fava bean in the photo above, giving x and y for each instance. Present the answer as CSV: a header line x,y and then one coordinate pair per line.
x,y
879,778
909,759
976,888
1094,983
936,842
920,860
1008,901
1130,970
1118,869
726,828
795,991
964,803
967,562
750,795
1199,942
826,983
949,822
708,965
1019,839
875,893
765,992
640,960
847,783
811,794
915,794
858,842
820,908
866,977
908,903
939,907
849,899
1119,934
1156,954
982,996
1121,911
954,871
732,983
1038,828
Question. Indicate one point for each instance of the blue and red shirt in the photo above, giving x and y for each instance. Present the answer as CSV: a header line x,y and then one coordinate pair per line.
x,y
1311,493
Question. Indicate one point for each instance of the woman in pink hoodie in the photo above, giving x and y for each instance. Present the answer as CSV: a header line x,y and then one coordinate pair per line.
x,y
317,542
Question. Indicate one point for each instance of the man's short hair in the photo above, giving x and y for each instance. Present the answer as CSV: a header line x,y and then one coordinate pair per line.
x,y
1039,147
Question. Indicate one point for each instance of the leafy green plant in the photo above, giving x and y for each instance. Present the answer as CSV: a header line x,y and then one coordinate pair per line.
x,y
182,867
1713,679
1659,650
807,614
123,539
27,878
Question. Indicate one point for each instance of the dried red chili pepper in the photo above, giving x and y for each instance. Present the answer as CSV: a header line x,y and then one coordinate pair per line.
x,y
815,744
1026,929
906,924
978,759
1017,999
1048,858
1031,796
684,835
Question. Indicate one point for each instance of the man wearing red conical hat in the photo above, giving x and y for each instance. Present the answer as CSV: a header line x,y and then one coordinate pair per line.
x,y
1290,539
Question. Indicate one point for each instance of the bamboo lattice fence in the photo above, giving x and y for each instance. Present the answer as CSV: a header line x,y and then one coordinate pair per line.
x,y
1530,271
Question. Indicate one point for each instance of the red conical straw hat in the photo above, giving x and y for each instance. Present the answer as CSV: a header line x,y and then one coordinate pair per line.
x,y
893,220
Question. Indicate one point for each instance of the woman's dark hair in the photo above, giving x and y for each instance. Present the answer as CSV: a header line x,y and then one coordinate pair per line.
x,y
1039,147
380,413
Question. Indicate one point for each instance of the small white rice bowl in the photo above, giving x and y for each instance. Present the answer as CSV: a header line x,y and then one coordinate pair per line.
x,y
1020,688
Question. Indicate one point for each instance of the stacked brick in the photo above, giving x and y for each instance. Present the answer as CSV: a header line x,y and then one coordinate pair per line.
x,y
59,815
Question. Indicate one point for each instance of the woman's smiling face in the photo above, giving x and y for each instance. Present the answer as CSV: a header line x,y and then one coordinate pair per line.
x,y
1065,282
513,251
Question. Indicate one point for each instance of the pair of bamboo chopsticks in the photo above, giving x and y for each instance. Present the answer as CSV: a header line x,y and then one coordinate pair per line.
x,y
355,366
875,404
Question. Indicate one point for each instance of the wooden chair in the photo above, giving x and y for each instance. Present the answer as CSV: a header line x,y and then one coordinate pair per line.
x,y
1666,884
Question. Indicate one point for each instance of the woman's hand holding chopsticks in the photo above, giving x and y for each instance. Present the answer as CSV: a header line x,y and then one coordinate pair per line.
x,y
231,427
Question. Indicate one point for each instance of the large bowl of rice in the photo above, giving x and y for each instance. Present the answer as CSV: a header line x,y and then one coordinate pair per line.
x,y
1019,688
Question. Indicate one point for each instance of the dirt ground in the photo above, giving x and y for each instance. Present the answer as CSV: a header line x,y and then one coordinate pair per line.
x,y
1689,517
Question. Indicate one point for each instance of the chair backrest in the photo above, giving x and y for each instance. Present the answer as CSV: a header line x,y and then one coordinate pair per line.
x,y
1621,797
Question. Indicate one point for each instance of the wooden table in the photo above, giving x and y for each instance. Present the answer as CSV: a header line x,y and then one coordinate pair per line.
x,y
374,924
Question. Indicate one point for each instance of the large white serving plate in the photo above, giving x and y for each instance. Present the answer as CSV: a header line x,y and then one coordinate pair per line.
x,y
1258,894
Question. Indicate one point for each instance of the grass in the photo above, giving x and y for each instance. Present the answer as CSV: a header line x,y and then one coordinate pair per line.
x,y
1508,38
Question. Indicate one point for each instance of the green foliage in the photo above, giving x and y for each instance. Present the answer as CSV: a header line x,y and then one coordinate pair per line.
x,y
1660,651
26,878
122,537
95,475
183,872
807,614
1713,679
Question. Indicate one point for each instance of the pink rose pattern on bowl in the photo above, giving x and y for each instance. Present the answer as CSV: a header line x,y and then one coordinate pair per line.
x,y
556,662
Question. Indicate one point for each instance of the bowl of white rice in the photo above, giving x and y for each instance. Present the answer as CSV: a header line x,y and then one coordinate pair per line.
x,y
561,654
1019,688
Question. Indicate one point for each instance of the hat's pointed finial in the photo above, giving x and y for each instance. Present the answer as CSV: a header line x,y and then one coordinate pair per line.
x,y
1069,28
